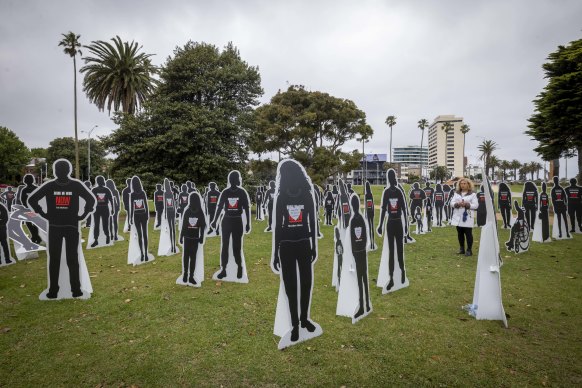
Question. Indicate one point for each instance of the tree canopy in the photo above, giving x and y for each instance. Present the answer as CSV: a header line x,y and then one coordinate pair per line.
x,y
118,75
196,124
557,121
311,127
13,156
64,147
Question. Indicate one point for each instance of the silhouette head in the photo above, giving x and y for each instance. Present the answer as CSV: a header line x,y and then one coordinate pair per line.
x,y
337,234
234,178
212,186
556,181
128,182
427,184
329,196
88,184
28,180
573,182
292,178
544,187
167,185
529,186
136,185
110,185
62,169
100,181
438,187
368,188
184,188
194,202
271,184
416,185
9,188
158,186
355,203
391,177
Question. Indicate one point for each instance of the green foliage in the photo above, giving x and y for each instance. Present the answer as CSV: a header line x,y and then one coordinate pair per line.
x,y
486,148
261,172
64,147
311,127
195,126
118,75
39,152
439,173
13,155
557,121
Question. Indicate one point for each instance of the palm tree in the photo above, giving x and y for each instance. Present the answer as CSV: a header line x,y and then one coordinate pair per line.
x,y
504,165
515,165
118,75
447,127
422,124
538,166
391,121
487,148
72,45
493,162
464,129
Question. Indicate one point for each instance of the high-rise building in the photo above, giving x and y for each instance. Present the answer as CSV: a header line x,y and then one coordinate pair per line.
x,y
411,155
446,149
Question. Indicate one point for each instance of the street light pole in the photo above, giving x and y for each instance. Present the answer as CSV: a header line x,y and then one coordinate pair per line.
x,y
89,151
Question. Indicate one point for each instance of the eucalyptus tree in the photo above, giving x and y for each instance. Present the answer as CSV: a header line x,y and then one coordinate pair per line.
x,y
390,121
118,75
486,148
422,124
72,47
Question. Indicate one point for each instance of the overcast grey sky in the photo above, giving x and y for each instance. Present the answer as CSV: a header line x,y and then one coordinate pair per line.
x,y
480,60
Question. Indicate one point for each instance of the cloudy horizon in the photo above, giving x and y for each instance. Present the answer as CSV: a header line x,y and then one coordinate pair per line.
x,y
411,59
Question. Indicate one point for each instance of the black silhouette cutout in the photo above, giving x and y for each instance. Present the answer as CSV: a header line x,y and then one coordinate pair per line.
x,y
519,235
62,200
4,216
417,196
211,203
103,211
159,205
439,203
126,205
370,210
482,209
328,206
114,219
359,240
295,244
170,213
560,203
192,234
269,200
504,204
24,194
139,215
529,202
574,194
8,197
393,204
428,208
234,201
544,213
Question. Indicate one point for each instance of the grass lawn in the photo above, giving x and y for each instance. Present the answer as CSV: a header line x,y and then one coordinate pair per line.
x,y
139,328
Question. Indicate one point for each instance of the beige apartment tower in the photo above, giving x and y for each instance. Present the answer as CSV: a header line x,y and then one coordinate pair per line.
x,y
446,149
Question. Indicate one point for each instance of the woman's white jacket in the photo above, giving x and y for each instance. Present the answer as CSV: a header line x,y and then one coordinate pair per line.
x,y
457,216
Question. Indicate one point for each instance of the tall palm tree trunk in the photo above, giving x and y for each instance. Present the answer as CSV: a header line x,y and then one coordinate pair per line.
x,y
464,166
390,144
76,137
421,140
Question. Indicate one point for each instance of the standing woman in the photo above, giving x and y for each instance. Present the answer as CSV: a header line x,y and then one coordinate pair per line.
x,y
463,202
295,246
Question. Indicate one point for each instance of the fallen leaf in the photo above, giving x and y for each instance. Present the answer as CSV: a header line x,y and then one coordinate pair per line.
x,y
22,285
4,330
127,300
